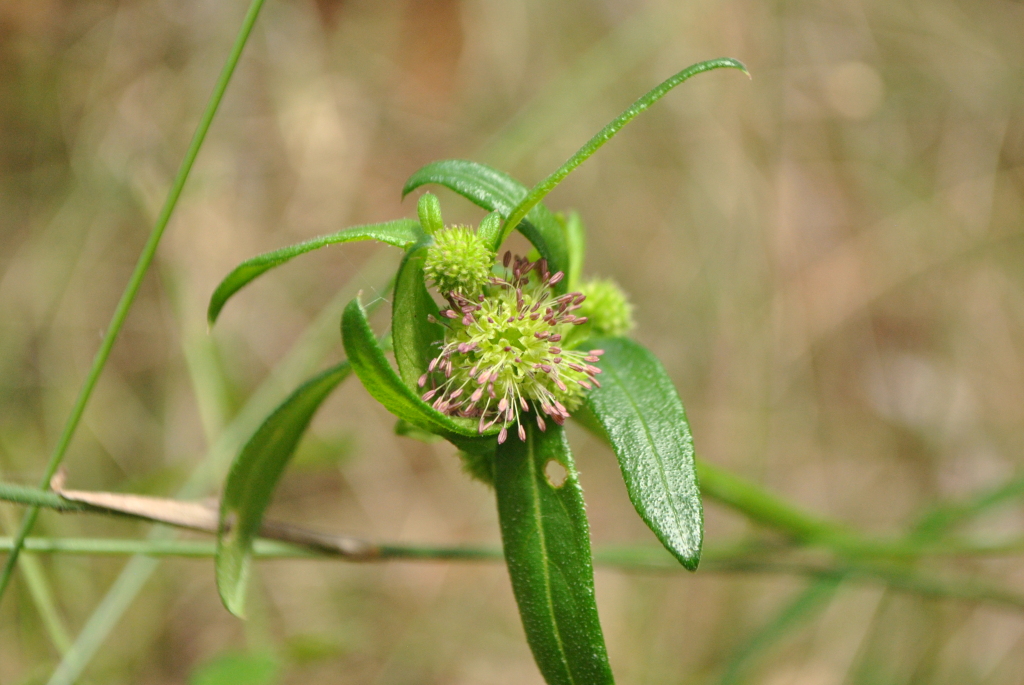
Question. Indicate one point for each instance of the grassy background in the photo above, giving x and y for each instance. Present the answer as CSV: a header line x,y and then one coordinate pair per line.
x,y
827,258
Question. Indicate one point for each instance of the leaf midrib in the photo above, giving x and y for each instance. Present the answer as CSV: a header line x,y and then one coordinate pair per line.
x,y
545,563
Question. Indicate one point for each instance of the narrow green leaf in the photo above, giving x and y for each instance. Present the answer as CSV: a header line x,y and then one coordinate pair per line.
x,y
415,338
546,538
385,386
576,238
640,412
253,477
496,191
401,233
537,193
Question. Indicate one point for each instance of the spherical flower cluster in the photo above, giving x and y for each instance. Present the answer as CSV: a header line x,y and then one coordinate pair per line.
x,y
458,261
607,308
501,357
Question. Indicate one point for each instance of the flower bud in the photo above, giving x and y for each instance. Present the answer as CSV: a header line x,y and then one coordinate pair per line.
x,y
606,308
458,261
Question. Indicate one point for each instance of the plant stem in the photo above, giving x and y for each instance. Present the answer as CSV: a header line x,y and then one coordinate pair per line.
x,y
739,494
634,559
132,289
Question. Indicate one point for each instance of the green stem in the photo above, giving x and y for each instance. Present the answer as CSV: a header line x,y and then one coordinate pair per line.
x,y
132,289
763,507
643,559
737,493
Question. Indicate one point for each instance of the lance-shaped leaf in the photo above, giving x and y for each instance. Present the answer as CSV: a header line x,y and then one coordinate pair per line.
x,y
253,477
414,336
496,191
546,538
385,386
537,193
401,233
639,410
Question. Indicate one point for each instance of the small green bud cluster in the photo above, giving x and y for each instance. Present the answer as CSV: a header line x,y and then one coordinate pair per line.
x,y
458,261
607,308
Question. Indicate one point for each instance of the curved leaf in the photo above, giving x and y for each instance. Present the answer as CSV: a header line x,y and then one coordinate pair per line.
x,y
639,410
546,538
385,386
401,233
414,336
496,191
253,477
537,193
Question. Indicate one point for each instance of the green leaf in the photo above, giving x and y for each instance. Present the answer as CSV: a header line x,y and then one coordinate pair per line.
x,y
537,193
253,477
401,233
547,548
415,338
429,211
490,230
640,412
496,191
385,386
576,237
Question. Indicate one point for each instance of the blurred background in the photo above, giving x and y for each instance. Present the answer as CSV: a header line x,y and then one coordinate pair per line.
x,y
828,258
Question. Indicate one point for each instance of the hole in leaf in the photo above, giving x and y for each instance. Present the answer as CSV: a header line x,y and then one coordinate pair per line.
x,y
229,528
555,473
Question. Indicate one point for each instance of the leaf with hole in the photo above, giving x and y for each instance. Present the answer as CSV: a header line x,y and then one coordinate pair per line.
x,y
253,476
546,538
640,412
496,191
401,233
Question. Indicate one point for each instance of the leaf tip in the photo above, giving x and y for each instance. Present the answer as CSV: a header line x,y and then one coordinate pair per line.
x,y
690,561
736,64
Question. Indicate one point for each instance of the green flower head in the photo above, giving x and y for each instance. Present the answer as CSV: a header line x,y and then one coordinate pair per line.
x,y
458,261
607,308
501,356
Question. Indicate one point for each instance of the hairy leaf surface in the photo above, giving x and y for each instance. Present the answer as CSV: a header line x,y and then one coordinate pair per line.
x,y
401,233
546,538
639,410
